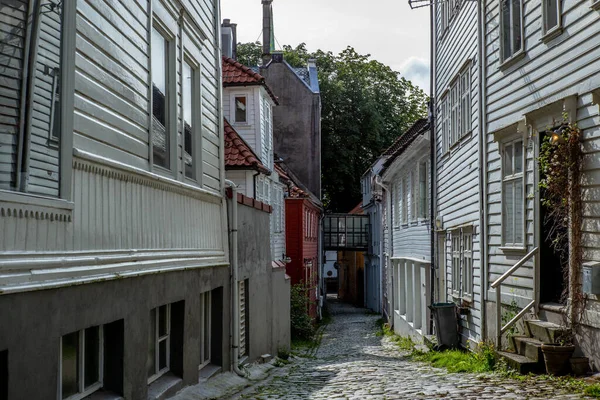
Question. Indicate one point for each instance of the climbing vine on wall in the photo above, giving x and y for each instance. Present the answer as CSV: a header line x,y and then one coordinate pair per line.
x,y
560,165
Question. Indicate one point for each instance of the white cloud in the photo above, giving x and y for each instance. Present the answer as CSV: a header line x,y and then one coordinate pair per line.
x,y
416,70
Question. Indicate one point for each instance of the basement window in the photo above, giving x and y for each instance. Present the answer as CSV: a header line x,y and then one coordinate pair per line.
x,y
81,363
165,346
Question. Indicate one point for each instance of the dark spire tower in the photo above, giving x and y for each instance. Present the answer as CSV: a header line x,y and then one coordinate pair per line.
x,y
268,33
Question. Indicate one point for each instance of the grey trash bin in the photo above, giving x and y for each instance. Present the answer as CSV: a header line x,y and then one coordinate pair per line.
x,y
446,325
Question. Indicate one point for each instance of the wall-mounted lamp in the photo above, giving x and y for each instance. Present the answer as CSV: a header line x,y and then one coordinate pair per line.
x,y
439,223
557,137
287,259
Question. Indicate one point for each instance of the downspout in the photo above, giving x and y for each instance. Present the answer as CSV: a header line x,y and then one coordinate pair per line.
x,y
482,165
235,345
432,163
254,183
388,195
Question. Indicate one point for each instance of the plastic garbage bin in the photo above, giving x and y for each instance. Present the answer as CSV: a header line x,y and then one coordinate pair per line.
x,y
446,325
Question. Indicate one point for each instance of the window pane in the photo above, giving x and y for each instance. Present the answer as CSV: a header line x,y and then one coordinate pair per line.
x,y
506,29
162,321
188,82
162,354
508,160
519,211
518,148
516,28
551,13
152,344
240,109
70,364
160,140
91,364
508,208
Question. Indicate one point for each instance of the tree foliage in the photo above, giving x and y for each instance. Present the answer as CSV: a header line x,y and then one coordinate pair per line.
x,y
365,106
249,54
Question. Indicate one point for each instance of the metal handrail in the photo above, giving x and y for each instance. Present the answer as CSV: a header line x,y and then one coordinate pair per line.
x,y
515,267
496,285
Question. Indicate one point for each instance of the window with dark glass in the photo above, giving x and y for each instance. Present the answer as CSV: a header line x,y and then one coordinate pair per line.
x,y
160,99
240,109
513,198
511,27
188,121
81,363
551,14
4,375
159,342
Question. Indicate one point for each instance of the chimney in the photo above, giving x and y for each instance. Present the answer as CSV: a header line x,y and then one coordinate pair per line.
x,y
229,39
268,34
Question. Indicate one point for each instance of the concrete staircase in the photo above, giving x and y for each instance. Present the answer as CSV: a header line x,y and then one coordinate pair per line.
x,y
526,355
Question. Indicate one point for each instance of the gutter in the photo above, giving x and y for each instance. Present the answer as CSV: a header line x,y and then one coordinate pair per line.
x,y
235,345
388,195
482,165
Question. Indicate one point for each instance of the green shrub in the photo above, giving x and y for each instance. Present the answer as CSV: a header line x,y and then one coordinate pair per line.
x,y
302,324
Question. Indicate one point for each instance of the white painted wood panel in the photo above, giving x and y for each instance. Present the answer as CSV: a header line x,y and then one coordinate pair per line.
x,y
456,181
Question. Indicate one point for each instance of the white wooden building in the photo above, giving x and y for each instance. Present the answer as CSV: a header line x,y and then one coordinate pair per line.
x,y
406,175
113,219
248,107
542,62
456,188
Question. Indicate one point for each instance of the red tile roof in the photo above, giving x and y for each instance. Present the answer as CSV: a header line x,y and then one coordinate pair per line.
x,y
358,210
237,152
236,74
282,173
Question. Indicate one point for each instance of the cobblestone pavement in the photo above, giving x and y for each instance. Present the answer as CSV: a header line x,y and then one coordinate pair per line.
x,y
352,362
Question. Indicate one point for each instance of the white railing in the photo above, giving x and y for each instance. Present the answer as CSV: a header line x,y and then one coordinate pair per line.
x,y
500,330
412,291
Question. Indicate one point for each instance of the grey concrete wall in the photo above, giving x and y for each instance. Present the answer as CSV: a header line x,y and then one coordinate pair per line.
x,y
281,310
269,292
33,324
296,125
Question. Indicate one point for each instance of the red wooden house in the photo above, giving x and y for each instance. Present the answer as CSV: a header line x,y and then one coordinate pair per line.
x,y
302,229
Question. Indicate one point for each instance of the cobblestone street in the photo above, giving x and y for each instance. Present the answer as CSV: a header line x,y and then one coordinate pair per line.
x,y
352,362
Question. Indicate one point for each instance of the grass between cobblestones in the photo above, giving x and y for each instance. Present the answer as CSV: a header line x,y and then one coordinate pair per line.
x,y
483,360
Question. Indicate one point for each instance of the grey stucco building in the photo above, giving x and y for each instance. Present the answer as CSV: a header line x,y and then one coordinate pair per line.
x,y
297,119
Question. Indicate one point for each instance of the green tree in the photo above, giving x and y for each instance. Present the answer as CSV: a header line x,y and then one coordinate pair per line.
x,y
249,54
365,106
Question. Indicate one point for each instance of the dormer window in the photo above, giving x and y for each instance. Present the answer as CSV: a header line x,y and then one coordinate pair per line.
x,y
240,109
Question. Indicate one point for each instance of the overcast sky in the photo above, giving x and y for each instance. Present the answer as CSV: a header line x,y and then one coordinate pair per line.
x,y
387,29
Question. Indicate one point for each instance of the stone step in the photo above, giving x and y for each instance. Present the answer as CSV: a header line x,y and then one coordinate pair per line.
x,y
521,364
528,347
544,331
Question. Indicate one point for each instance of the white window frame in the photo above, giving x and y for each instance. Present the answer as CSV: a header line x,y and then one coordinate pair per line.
x,y
548,31
414,197
83,392
205,328
455,253
396,204
467,262
504,58
514,177
405,184
461,250
234,109
157,340
196,119
268,132
424,191
456,109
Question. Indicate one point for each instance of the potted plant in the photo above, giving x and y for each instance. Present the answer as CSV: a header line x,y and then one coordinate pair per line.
x,y
558,354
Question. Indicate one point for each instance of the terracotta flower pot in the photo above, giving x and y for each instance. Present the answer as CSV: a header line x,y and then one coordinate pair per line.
x,y
556,358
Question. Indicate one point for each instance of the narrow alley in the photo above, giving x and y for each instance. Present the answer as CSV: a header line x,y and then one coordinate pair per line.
x,y
353,362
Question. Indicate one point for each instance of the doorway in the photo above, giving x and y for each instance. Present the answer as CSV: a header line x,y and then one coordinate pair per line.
x,y
552,261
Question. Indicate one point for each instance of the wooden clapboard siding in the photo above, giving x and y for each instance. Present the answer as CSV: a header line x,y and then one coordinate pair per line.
x,y
544,76
277,201
121,219
457,171
112,78
13,29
